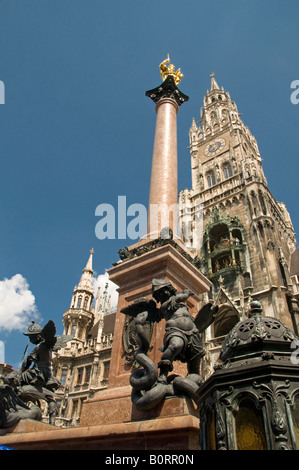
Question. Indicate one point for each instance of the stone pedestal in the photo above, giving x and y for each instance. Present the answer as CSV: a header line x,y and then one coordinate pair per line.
x,y
116,403
26,426
172,433
134,278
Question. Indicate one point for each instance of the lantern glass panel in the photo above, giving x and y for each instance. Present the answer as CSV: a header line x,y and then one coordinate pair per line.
x,y
249,427
295,416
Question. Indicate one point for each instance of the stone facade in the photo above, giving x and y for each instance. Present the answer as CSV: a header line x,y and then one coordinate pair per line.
x,y
247,237
83,365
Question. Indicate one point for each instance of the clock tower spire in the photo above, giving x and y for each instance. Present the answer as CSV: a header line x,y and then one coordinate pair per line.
x,y
221,145
248,237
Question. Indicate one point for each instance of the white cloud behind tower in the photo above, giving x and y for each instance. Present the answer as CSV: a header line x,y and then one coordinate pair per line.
x,y
17,303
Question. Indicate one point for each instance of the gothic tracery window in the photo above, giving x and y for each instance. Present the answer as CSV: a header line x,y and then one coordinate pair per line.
x,y
262,202
211,179
227,171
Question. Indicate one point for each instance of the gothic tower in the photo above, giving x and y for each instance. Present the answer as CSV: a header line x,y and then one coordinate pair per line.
x,y
247,236
78,319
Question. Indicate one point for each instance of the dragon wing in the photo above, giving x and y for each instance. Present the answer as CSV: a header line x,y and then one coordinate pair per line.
x,y
48,333
13,409
143,305
205,316
9,399
136,307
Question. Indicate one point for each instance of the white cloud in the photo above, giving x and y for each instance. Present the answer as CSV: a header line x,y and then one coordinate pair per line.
x,y
17,303
100,281
2,351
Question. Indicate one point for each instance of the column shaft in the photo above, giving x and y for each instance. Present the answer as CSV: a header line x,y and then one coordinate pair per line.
x,y
164,185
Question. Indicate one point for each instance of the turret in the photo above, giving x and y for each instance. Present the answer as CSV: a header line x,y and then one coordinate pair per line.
x,y
79,318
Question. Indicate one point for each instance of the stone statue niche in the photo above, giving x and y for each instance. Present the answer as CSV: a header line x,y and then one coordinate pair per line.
x,y
182,342
34,381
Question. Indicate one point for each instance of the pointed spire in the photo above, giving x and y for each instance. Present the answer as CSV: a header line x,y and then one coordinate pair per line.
x,y
86,278
88,266
214,84
97,301
193,126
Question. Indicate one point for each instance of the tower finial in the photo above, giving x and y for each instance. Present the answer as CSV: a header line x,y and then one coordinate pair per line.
x,y
86,278
88,266
214,84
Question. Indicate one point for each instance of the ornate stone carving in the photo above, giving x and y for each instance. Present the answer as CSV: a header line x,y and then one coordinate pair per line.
x,y
256,328
167,89
273,392
166,238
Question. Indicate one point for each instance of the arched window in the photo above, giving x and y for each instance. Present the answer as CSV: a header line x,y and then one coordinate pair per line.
x,y
219,236
227,171
211,179
254,204
261,229
85,303
63,376
213,118
262,202
283,273
237,237
223,325
79,303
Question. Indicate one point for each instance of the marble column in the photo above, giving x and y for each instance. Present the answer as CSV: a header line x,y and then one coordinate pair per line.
x,y
162,210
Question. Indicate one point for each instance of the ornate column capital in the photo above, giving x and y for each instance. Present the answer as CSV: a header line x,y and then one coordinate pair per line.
x,y
167,89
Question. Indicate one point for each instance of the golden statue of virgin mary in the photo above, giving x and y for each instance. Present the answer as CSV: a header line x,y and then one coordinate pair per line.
x,y
169,69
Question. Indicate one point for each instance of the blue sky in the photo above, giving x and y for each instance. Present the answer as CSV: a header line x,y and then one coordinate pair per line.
x,y
77,130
